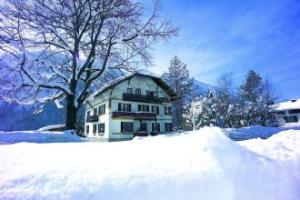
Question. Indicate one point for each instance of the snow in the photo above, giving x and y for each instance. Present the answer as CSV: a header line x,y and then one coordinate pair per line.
x,y
293,104
58,104
251,132
54,126
38,137
203,164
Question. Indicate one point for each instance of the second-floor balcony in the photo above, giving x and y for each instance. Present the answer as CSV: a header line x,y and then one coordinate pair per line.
x,y
144,98
92,118
134,115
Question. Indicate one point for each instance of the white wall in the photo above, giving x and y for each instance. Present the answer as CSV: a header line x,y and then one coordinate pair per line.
x,y
104,118
115,95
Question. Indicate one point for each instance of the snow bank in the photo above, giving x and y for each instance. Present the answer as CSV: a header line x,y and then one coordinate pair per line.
x,y
204,164
251,132
38,137
49,127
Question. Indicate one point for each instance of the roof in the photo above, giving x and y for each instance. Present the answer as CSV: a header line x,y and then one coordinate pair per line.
x,y
120,79
288,105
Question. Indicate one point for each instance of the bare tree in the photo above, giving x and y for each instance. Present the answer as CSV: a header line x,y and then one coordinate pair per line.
x,y
226,100
59,49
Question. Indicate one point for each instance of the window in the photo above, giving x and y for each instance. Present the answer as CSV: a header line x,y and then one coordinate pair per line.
x,y
87,129
168,127
155,109
94,129
138,91
294,111
88,113
168,110
143,108
290,119
101,128
155,127
102,109
151,93
129,90
126,127
95,111
124,107
280,112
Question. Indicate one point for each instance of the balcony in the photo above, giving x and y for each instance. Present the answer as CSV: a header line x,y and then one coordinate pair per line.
x,y
135,115
92,118
144,98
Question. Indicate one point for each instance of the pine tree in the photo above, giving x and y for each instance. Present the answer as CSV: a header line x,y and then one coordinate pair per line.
x,y
202,111
178,78
256,98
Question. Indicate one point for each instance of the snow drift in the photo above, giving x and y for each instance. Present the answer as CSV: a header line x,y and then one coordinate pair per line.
x,y
204,164
38,137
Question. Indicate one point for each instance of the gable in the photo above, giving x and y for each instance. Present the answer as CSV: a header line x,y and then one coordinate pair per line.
x,y
137,80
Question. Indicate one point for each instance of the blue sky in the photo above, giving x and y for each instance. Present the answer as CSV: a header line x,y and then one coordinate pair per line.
x,y
234,36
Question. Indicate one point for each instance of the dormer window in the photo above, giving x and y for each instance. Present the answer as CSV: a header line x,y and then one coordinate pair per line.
x,y
138,91
129,90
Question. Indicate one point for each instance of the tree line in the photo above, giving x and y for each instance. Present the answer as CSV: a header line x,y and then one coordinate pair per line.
x,y
252,103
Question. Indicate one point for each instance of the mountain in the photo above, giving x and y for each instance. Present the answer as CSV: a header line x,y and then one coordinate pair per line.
x,y
14,117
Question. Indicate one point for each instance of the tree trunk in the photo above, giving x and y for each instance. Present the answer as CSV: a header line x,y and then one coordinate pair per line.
x,y
71,114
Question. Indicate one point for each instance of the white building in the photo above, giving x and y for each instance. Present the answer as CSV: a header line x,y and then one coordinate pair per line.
x,y
289,111
137,104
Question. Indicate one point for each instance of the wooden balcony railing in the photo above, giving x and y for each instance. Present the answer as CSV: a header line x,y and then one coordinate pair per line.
x,y
134,115
144,98
92,118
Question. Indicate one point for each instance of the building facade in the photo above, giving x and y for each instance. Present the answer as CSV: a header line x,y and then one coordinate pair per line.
x,y
135,105
289,112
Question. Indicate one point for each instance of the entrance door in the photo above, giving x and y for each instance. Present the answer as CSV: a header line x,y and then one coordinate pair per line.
x,y
143,127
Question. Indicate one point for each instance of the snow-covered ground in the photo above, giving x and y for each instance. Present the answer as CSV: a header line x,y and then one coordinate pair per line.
x,y
38,137
204,164
253,132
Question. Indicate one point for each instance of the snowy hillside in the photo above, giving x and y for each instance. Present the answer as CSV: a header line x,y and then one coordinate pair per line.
x,y
16,117
204,164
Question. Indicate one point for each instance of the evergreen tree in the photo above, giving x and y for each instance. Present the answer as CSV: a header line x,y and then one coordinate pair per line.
x,y
256,99
178,78
202,111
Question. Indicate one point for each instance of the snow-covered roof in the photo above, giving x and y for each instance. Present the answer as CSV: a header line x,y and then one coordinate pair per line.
x,y
143,72
288,105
